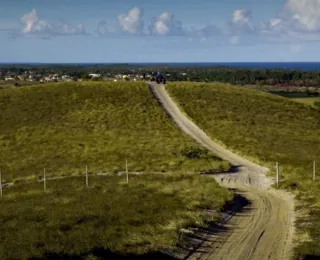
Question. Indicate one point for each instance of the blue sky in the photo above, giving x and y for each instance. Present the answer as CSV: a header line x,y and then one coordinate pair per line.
x,y
159,31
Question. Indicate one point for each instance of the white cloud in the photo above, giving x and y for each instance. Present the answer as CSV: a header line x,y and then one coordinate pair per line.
x,y
166,24
241,22
29,19
131,22
298,19
34,26
241,16
306,14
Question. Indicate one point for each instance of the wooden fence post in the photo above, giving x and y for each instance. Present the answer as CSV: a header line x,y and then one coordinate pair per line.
x,y
0,184
87,177
277,169
127,171
44,180
314,171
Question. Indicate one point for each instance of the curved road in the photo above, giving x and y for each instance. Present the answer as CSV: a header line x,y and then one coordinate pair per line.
x,y
265,230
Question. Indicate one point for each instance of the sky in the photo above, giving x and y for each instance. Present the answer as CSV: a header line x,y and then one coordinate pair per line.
x,y
107,31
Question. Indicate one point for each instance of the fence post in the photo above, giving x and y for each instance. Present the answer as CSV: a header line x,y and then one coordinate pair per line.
x,y
127,171
87,178
44,180
314,171
0,184
277,169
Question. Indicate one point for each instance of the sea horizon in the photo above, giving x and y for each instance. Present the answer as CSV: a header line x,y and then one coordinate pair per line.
x,y
307,66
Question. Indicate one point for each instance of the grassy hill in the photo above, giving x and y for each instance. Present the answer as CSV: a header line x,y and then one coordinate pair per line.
x,y
63,127
265,128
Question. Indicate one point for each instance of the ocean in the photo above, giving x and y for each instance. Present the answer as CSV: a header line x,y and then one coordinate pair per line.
x,y
305,66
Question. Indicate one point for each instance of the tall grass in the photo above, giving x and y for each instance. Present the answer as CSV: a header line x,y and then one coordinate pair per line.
x,y
264,128
65,126
69,219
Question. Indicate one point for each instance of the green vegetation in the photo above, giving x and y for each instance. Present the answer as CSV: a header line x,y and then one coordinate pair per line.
x,y
143,216
65,126
307,101
178,72
264,128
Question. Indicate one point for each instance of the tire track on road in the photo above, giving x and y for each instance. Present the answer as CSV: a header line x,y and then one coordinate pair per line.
x,y
265,231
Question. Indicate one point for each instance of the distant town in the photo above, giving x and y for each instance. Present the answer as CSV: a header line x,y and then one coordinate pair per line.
x,y
33,76
16,75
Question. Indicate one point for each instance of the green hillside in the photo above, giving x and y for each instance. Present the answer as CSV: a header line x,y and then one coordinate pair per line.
x,y
63,127
266,129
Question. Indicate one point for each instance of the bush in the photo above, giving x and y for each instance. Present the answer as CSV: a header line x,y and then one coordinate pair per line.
x,y
194,152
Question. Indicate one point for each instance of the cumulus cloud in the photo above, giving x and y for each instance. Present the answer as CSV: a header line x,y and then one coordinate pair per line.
x,y
35,26
296,18
241,22
132,22
29,19
305,14
166,24
241,16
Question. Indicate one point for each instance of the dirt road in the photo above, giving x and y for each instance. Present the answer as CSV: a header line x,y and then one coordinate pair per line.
x,y
264,229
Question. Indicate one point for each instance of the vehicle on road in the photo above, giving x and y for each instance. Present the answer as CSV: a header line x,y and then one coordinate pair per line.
x,y
159,78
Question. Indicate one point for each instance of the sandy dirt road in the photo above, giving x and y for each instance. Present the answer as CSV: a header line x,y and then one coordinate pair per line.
x,y
264,229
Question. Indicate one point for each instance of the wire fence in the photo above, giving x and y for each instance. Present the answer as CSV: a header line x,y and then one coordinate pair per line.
x,y
86,174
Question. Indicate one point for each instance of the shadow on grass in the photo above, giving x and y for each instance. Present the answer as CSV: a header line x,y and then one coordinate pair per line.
x,y
101,254
198,241
233,169
201,241
311,257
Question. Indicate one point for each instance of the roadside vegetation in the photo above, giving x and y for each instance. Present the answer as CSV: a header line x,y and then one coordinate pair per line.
x,y
64,127
266,129
107,219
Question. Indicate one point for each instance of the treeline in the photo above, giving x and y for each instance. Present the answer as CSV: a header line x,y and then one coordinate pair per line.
x,y
255,77
237,76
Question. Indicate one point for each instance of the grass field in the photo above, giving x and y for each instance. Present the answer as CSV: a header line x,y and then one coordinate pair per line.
x,y
70,220
301,97
264,128
307,101
63,127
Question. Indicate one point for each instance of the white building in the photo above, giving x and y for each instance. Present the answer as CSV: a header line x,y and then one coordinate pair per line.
x,y
93,75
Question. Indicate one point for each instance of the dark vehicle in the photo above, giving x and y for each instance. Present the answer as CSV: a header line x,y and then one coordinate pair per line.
x,y
158,78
